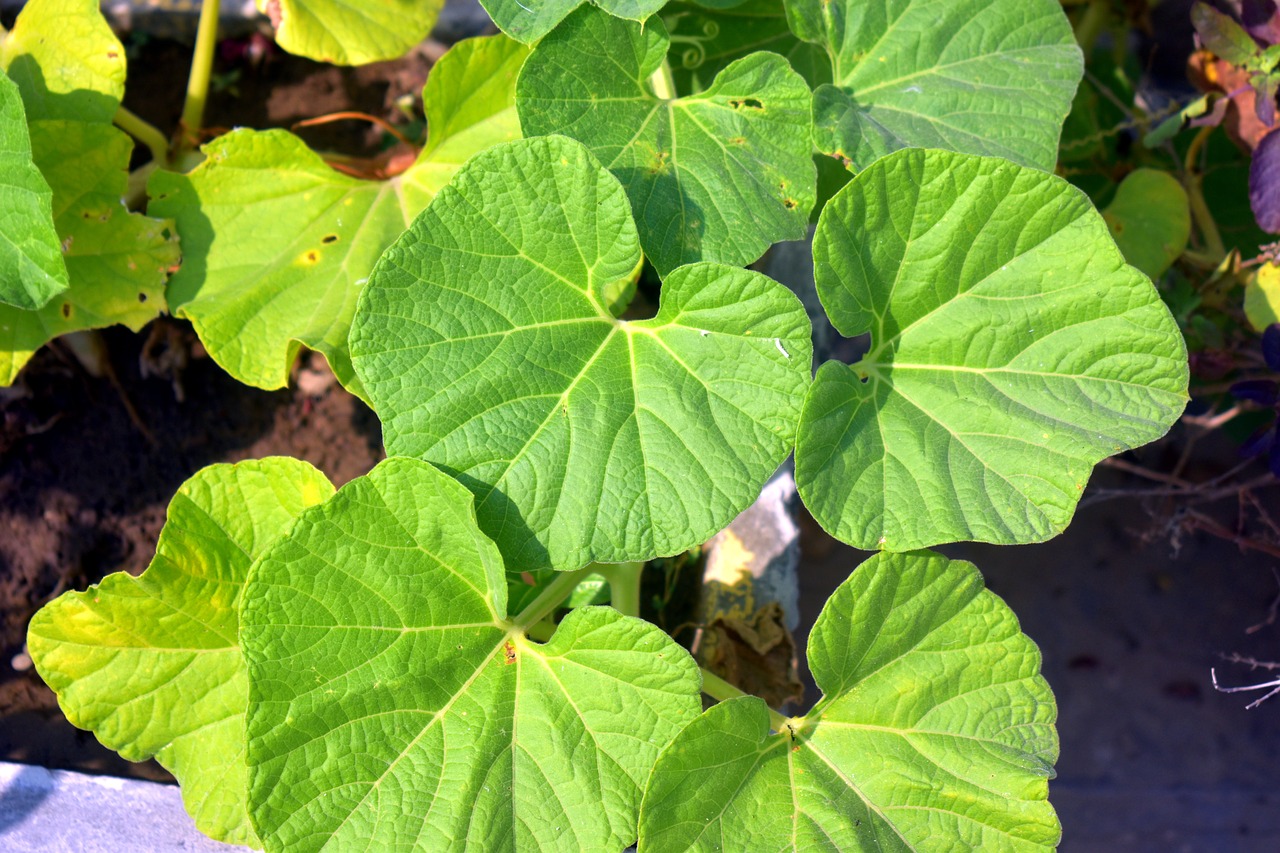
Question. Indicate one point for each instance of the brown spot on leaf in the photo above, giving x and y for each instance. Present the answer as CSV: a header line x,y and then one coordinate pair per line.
x,y
509,652
738,140
66,310
789,203
329,238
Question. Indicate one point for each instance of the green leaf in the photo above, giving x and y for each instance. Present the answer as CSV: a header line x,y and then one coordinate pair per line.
x,y
486,346
1012,349
741,177
992,77
65,59
1150,219
393,705
276,244
935,732
1262,297
117,261
152,665
706,40
31,267
529,22
342,32
1220,33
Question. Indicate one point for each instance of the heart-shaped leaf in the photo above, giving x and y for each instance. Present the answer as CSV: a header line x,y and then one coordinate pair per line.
x,y
935,732
1012,349
152,664
393,705
717,176
31,267
486,341
276,244
991,77
342,32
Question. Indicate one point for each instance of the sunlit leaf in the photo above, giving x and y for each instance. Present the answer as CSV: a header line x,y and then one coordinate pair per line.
x,y
395,706
935,731
151,664
1012,348
486,342
343,32
993,77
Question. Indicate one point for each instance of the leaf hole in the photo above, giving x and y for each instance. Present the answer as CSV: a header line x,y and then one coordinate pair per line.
x,y
789,204
66,310
746,103
329,238
142,297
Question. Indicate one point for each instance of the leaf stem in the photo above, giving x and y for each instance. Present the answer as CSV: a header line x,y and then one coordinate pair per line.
x,y
1194,182
549,599
720,690
662,83
198,82
624,586
1091,25
143,131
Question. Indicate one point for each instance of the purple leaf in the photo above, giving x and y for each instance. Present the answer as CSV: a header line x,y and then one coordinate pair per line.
x,y
1260,391
1265,104
1261,19
1264,183
1271,346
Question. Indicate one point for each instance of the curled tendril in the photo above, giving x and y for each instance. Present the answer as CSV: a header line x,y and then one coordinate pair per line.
x,y
696,52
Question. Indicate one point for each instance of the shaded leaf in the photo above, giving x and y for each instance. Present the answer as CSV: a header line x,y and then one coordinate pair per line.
x,y
345,33
117,261
1150,219
1220,33
935,732
741,176
1264,183
31,267
393,704
152,665
276,244
485,342
1012,349
992,77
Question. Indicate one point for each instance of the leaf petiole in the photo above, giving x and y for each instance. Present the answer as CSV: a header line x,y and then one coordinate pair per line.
x,y
550,598
720,690
198,82
662,83
143,131
624,586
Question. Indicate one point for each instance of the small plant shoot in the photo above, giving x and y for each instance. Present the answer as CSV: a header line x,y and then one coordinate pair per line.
x,y
419,660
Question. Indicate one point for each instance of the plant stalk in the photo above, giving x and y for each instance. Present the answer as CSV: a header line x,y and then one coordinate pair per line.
x,y
662,83
720,690
549,599
624,586
1091,25
201,71
1193,182
143,131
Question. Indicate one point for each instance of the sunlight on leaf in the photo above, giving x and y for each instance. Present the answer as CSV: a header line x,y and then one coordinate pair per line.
x,y
342,32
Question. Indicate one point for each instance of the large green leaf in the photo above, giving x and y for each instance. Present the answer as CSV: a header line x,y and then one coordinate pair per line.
x,y
394,706
152,664
1012,349
276,245
343,32
486,339
992,77
117,261
717,176
529,22
65,59
31,267
935,732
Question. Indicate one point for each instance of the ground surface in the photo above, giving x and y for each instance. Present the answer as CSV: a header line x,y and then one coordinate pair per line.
x,y
1152,758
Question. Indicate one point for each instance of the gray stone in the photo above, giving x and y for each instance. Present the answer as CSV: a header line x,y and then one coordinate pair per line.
x,y
58,811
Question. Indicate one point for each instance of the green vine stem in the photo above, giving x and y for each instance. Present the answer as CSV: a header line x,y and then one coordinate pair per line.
x,y
662,83
1193,182
1091,25
143,131
198,82
549,599
624,586
720,690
